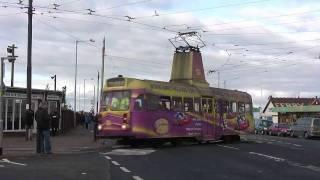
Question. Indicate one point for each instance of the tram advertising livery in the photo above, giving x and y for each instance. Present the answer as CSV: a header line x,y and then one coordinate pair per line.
x,y
185,108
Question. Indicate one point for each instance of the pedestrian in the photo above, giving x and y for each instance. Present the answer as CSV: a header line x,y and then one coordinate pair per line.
x,y
29,116
87,120
54,117
43,134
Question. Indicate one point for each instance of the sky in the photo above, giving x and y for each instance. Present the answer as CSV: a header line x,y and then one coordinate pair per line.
x,y
263,47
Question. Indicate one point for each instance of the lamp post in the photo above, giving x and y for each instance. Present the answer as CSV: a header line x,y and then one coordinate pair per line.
x,y
84,94
94,94
54,77
75,78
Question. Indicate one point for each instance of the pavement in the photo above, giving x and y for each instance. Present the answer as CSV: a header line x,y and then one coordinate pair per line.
x,y
76,140
255,157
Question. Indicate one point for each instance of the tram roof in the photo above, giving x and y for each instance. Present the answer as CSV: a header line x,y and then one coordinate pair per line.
x,y
175,89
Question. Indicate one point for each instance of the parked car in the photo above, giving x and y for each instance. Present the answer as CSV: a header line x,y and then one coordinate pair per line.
x,y
307,127
262,127
280,129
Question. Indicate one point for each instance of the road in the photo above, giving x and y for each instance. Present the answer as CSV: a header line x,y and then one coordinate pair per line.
x,y
255,157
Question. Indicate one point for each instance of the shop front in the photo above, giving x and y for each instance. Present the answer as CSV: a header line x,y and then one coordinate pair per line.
x,y
14,106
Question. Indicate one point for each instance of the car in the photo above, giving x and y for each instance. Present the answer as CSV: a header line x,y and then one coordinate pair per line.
x,y
262,127
280,129
307,127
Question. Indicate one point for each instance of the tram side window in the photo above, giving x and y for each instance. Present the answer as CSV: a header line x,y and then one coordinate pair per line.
x,y
248,108
165,102
153,102
139,103
204,106
210,106
177,104
196,105
188,104
241,108
234,107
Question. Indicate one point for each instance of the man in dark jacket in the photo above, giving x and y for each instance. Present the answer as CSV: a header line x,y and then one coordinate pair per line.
x,y
29,116
43,126
54,116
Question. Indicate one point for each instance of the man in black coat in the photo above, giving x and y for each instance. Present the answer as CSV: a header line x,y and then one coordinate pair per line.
x,y
54,116
43,127
29,116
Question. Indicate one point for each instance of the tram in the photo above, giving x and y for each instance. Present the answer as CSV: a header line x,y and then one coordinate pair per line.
x,y
185,108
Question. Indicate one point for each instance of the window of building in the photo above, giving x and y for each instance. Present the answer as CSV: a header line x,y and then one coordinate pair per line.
x,y
204,106
210,106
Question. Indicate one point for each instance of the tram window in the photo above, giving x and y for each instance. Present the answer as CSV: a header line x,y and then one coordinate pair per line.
x,y
248,108
165,102
234,107
177,104
196,105
153,102
139,103
210,107
188,104
120,101
204,106
241,108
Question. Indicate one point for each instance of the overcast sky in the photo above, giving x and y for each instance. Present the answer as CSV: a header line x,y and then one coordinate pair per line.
x,y
264,47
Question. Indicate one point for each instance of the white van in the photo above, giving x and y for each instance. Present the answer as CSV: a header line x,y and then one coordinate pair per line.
x,y
307,127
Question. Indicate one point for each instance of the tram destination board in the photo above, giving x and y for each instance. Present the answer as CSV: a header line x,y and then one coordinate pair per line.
x,y
115,82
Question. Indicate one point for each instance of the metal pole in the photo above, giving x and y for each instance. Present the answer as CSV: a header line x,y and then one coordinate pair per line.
x,y
75,87
12,73
98,93
94,97
1,108
102,66
55,82
84,94
218,79
29,55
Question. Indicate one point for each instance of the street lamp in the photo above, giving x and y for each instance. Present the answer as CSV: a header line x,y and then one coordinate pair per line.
x,y
75,78
84,94
94,94
54,77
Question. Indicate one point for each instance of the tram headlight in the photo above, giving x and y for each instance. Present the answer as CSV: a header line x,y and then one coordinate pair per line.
x,y
124,126
99,127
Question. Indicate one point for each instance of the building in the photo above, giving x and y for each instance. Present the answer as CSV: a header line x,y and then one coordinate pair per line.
x,y
288,110
14,106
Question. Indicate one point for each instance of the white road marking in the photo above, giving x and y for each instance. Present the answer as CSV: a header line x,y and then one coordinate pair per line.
x,y
298,145
260,142
1,165
278,159
310,167
115,163
83,173
137,178
108,157
125,169
11,162
269,142
131,152
230,147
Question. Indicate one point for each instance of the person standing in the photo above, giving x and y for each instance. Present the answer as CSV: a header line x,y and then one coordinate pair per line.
x,y
29,116
54,116
43,122
87,119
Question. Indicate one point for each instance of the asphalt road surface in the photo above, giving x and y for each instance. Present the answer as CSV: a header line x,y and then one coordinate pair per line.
x,y
255,157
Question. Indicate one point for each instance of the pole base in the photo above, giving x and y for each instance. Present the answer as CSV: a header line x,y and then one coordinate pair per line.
x,y
1,151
